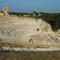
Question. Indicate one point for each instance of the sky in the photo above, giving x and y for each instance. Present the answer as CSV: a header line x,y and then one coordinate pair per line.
x,y
31,5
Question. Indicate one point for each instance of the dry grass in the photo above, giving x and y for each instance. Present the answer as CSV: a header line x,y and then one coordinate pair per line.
x,y
11,55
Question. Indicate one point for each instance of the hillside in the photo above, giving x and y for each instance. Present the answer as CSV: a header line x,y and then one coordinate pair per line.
x,y
27,32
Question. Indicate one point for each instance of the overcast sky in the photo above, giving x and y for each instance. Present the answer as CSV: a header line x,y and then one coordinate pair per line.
x,y
30,5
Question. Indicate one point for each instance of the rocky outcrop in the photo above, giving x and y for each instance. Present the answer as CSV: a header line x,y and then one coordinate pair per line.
x,y
31,33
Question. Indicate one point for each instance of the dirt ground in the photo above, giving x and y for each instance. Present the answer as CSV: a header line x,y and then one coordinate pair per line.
x,y
31,55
